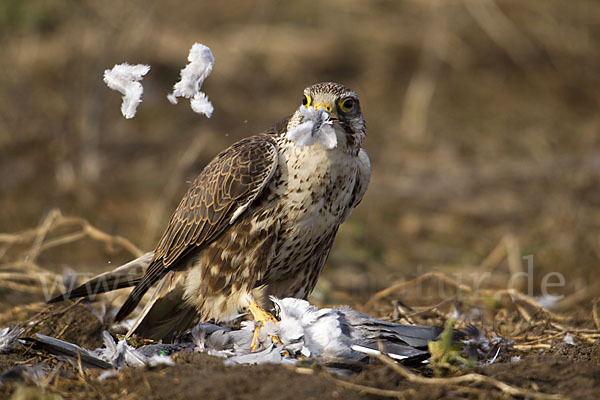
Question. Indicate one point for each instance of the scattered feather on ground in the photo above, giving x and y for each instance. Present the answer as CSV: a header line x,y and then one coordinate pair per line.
x,y
304,332
340,339
19,373
120,354
62,348
480,347
8,338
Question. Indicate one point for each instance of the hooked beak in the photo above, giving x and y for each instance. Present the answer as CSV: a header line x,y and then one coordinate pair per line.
x,y
328,108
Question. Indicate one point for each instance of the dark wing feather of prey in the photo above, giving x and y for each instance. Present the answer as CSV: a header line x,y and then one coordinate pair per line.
x,y
231,180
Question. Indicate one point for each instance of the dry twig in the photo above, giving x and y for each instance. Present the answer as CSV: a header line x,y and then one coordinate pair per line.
x,y
595,314
464,379
54,220
515,294
403,285
371,390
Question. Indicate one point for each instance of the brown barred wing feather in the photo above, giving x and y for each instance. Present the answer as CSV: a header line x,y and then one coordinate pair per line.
x,y
216,199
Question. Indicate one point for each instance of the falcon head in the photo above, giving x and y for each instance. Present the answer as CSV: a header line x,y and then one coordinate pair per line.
x,y
343,107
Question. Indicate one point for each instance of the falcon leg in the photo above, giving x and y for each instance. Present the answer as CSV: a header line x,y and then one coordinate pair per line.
x,y
260,317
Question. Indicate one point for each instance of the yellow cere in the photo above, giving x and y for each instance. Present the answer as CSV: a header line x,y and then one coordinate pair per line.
x,y
325,106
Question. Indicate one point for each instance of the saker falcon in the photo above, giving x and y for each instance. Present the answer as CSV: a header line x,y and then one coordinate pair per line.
x,y
263,214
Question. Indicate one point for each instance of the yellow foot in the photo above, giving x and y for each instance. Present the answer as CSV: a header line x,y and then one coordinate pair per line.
x,y
260,318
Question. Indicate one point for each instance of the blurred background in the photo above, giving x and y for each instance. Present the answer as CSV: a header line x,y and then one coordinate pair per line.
x,y
483,124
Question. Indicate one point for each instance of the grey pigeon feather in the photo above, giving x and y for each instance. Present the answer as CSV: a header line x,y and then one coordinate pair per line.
x,y
8,338
62,348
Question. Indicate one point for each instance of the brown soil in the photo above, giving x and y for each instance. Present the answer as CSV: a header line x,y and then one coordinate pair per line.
x,y
571,370
73,323
567,375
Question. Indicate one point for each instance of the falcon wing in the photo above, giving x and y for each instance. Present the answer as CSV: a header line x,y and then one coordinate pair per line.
x,y
218,196
363,176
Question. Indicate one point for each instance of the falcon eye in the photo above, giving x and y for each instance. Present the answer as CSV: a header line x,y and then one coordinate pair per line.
x,y
306,100
346,104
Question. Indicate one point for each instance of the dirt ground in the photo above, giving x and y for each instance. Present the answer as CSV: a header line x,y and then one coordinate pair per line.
x,y
572,370
484,205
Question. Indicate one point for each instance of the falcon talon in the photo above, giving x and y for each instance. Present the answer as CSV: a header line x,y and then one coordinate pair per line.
x,y
275,339
264,213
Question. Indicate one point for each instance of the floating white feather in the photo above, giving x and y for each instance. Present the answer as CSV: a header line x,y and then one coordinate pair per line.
x,y
125,79
200,65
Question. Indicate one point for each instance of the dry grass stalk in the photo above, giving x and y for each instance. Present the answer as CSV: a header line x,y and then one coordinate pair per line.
x,y
421,88
464,379
9,315
492,20
595,314
403,285
55,220
517,295
534,317
532,346
372,390
20,275
495,257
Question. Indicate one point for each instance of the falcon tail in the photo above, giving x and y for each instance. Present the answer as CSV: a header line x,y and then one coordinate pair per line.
x,y
127,275
165,314
154,273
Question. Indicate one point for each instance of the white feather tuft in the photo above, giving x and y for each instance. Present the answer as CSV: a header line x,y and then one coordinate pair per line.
x,y
316,126
125,79
200,65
